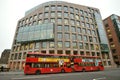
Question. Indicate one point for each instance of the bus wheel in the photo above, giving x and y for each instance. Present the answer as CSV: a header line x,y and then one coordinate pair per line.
x,y
37,72
83,70
62,71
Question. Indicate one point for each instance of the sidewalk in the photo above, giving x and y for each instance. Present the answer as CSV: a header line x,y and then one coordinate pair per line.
x,y
12,72
112,68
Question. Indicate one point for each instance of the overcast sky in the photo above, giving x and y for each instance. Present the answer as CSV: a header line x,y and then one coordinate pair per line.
x,y
13,10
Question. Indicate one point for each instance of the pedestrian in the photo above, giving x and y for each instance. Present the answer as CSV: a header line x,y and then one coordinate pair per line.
x,y
2,68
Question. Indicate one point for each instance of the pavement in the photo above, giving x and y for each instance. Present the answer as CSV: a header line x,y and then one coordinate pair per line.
x,y
12,72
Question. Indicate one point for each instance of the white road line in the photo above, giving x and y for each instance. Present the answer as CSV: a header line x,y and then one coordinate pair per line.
x,y
32,77
103,78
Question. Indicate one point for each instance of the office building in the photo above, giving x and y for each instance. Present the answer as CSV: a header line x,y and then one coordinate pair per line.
x,y
112,26
58,27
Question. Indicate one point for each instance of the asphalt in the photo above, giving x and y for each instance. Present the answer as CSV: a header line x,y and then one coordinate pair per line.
x,y
21,72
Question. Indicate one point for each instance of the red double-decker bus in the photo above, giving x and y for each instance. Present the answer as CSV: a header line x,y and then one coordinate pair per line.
x,y
86,63
37,63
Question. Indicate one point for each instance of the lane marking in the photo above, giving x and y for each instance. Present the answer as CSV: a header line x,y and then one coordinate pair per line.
x,y
100,78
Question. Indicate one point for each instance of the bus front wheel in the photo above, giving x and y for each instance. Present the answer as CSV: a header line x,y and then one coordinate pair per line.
x,y
37,72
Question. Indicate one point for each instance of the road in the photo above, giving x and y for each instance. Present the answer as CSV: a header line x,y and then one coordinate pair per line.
x,y
113,74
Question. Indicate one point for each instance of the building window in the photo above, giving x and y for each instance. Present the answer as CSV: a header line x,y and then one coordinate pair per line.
x,y
89,32
37,45
73,37
40,15
59,21
53,8
94,39
109,63
67,52
86,19
72,22
98,54
86,46
35,17
66,21
81,45
89,14
79,37
60,44
93,53
43,52
92,46
76,11
84,31
30,18
73,29
51,51
82,18
59,28
19,56
52,45
74,44
44,45
39,21
81,11
93,32
67,44
83,24
59,35
78,23
31,45
46,8
85,38
59,14
111,40
15,56
96,47
67,36
90,39
52,20
46,15
45,20
85,13
92,26
60,52
59,7
91,20
77,17
52,14
113,50
75,52
24,55
88,25
12,56
66,15
71,9
66,28
81,52
65,8
88,53
112,45
72,16
79,30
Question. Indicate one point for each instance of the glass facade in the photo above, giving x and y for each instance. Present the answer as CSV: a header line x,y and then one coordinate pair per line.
x,y
37,32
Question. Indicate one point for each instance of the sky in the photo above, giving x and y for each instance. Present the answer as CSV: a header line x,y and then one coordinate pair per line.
x,y
13,10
